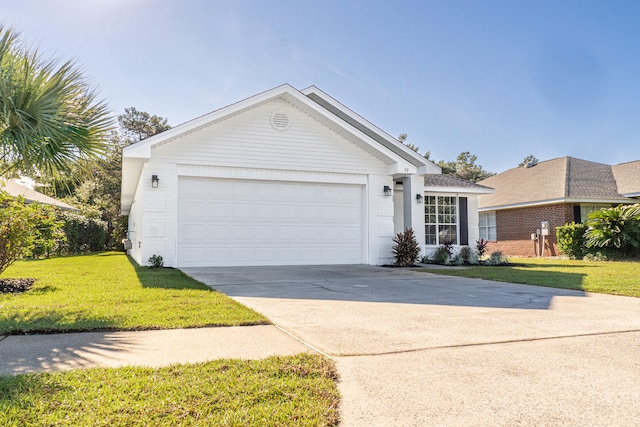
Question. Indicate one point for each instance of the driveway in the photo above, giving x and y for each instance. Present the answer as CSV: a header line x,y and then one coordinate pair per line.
x,y
420,349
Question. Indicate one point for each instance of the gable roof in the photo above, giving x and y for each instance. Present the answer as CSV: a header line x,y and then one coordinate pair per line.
x,y
561,180
326,110
16,190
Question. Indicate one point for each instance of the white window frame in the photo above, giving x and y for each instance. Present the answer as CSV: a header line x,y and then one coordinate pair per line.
x,y
438,224
487,225
587,208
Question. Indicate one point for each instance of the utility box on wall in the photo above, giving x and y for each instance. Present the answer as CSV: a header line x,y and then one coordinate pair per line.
x,y
544,228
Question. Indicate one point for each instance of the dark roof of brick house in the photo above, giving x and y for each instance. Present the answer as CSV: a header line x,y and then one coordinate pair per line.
x,y
627,177
565,179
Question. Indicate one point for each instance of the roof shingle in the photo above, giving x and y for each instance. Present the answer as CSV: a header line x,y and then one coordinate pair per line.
x,y
560,179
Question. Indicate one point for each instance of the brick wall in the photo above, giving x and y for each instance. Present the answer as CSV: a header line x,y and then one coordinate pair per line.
x,y
514,228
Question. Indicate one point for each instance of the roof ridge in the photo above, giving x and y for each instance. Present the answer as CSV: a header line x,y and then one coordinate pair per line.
x,y
567,178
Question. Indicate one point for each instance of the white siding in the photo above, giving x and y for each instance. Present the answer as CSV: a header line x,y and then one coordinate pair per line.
x,y
248,141
247,147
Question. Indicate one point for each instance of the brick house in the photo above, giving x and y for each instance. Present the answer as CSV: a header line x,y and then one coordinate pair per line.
x,y
555,192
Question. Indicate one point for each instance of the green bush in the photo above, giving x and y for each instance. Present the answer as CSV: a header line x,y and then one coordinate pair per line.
x,y
465,254
441,256
571,241
615,228
406,250
497,258
156,261
22,226
83,235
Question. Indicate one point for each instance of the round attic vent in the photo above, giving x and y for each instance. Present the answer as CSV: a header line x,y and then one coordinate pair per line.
x,y
280,121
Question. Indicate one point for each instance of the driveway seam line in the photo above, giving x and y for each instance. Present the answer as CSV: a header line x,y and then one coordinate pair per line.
x,y
415,350
3,337
312,347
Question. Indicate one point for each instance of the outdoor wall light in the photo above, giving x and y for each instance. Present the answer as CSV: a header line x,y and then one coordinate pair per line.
x,y
419,198
154,181
387,190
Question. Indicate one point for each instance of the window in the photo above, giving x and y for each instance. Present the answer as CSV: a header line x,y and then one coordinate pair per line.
x,y
488,225
441,219
585,210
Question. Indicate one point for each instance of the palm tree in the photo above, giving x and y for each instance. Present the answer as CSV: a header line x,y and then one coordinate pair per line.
x,y
617,227
50,118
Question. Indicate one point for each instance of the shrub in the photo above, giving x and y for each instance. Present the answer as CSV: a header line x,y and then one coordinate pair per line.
x,y
156,261
497,258
481,247
48,232
82,234
617,227
21,226
441,256
406,250
448,246
571,241
465,254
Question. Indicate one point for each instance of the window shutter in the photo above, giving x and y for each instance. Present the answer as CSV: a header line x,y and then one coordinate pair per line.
x,y
464,221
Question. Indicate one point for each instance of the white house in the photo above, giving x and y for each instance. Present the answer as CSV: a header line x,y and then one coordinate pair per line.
x,y
282,178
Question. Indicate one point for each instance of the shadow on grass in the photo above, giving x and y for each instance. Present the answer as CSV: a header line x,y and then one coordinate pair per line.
x,y
15,389
538,275
53,322
166,278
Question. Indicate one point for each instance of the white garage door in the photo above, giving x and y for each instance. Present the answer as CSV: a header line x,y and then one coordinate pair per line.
x,y
241,222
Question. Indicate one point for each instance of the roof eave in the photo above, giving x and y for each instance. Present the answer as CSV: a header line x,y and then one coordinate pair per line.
x,y
552,202
426,166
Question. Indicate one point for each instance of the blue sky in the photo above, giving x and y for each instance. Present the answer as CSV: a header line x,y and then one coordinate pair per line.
x,y
501,79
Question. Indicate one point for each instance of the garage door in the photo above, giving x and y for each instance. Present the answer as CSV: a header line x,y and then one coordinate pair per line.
x,y
241,222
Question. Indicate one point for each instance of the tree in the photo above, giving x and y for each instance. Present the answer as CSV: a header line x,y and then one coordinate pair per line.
x,y
528,159
98,195
138,125
403,139
50,118
465,167
22,226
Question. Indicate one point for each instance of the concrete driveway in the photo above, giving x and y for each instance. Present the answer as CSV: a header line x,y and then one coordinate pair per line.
x,y
420,349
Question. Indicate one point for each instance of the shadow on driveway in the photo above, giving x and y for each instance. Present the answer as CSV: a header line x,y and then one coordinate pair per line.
x,y
366,283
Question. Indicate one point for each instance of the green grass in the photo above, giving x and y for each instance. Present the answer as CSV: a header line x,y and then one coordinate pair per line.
x,y
615,278
279,391
107,291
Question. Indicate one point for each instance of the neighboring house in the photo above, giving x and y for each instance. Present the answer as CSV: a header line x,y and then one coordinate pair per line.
x,y
30,195
282,178
559,191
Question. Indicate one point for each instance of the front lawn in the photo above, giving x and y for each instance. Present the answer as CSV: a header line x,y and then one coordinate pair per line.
x,y
615,278
294,390
107,291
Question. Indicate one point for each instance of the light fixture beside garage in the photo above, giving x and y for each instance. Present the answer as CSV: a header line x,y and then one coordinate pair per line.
x,y
154,181
419,198
387,190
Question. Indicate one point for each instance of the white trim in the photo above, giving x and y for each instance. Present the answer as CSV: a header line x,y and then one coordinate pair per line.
x,y
135,155
269,174
337,104
551,202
